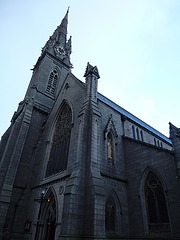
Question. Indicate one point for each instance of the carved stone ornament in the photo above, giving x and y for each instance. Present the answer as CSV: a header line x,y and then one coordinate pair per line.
x,y
91,70
110,126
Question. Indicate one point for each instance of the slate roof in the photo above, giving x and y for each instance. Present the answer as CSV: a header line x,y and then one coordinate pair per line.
x,y
132,117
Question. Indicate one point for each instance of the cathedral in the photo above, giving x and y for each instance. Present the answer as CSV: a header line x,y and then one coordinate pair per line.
x,y
75,165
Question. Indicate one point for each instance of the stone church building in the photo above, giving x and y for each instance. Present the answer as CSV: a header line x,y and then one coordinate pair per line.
x,y
75,165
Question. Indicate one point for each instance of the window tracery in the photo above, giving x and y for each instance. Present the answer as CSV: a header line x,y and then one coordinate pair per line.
x,y
156,204
60,143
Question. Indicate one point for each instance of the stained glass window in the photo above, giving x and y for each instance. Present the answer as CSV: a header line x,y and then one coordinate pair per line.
x,y
60,143
156,204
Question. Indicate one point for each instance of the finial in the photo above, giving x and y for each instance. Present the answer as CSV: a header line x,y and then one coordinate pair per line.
x,y
91,70
68,9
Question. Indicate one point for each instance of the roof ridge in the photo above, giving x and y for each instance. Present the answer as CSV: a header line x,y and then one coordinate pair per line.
x,y
132,117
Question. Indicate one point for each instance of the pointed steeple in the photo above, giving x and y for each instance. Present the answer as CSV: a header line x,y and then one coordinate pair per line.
x,y
62,29
59,36
57,44
63,26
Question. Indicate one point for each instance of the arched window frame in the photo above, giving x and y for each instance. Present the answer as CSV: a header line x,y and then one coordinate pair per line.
x,y
133,132
156,203
137,134
52,141
147,228
52,81
116,229
142,138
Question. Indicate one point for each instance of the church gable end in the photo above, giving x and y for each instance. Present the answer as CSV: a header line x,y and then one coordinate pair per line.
x,y
75,165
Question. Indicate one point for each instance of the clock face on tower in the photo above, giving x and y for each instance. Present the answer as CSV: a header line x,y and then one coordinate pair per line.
x,y
60,50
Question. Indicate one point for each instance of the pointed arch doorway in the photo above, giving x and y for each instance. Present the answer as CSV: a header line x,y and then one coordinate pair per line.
x,y
48,218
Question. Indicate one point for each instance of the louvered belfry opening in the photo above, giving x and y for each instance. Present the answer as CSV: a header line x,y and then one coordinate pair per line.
x,y
52,81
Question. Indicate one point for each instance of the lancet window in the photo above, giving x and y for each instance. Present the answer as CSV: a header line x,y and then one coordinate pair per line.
x,y
137,133
52,82
58,157
142,138
156,204
133,132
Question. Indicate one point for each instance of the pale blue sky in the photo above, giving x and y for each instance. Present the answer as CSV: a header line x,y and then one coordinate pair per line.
x,y
134,43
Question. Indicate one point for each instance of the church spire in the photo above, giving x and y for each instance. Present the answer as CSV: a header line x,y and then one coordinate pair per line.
x,y
59,36
62,28
57,44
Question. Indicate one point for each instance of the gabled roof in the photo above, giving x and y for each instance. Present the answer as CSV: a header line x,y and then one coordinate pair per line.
x,y
132,117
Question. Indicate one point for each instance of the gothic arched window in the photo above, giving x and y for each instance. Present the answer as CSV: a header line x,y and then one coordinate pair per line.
x,y
137,133
110,214
52,81
60,143
156,204
133,132
109,146
142,138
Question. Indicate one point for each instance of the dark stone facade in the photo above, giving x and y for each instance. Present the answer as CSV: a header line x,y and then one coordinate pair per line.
x,y
75,165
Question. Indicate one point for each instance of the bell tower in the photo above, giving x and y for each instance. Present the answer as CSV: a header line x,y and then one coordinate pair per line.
x,y
27,124
57,45
51,68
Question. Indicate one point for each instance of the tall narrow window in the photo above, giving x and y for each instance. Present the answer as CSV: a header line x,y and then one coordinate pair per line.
x,y
142,139
60,144
110,214
133,132
52,81
137,133
109,146
156,205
